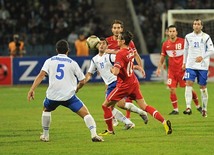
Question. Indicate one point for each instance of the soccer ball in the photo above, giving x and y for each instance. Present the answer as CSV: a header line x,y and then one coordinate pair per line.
x,y
3,71
92,42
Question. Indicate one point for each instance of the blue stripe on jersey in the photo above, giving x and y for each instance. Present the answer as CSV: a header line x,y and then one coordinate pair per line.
x,y
111,60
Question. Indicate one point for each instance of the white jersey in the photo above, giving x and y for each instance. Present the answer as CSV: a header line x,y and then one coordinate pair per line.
x,y
196,45
103,64
63,73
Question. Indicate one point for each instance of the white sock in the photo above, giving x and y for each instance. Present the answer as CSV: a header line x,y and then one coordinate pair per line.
x,y
133,108
119,116
204,98
46,121
188,96
90,123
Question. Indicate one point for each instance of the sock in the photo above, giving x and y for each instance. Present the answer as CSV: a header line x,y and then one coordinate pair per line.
x,y
154,113
204,98
133,108
90,123
128,114
119,116
195,99
108,117
174,101
46,121
188,96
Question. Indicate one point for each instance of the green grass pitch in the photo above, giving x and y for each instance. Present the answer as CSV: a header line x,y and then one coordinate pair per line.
x,y
20,125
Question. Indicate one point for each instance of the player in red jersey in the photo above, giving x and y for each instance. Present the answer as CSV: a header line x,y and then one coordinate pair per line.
x,y
117,28
127,85
173,48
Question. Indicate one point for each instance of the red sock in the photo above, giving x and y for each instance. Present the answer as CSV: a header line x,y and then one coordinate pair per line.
x,y
152,111
108,117
195,98
174,101
128,114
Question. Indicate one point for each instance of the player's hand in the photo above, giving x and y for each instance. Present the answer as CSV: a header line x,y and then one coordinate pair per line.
x,y
199,59
183,66
158,72
30,95
141,70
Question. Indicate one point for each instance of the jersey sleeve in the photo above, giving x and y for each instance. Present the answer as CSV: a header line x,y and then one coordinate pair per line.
x,y
92,68
45,66
186,47
112,58
78,72
163,50
209,48
118,61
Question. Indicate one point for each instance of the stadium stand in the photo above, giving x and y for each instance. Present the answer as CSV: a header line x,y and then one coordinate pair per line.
x,y
40,23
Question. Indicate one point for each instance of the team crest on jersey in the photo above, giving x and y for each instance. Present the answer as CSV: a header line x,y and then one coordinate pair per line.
x,y
201,40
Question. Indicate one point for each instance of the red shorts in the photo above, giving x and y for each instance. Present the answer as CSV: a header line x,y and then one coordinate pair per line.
x,y
132,92
175,78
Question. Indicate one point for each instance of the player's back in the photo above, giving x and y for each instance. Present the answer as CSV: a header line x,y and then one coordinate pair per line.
x,y
124,60
62,72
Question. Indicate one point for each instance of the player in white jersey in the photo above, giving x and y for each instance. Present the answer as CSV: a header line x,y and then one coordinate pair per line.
x,y
102,63
63,73
198,48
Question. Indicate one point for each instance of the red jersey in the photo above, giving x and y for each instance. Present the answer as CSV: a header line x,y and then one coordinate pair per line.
x,y
174,50
112,44
124,61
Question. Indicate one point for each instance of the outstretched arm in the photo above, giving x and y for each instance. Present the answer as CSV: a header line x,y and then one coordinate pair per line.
x,y
80,85
140,69
36,82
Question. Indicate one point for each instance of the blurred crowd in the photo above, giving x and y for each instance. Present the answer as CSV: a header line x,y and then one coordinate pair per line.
x,y
40,23
149,14
43,22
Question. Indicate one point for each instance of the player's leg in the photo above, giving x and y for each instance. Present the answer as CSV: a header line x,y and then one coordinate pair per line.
x,y
133,108
182,84
173,79
154,113
189,76
119,116
76,105
108,91
151,110
195,100
108,116
128,112
174,101
202,81
49,106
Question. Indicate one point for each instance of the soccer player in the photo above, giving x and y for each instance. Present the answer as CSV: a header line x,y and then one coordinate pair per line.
x,y
102,63
198,47
128,84
117,28
63,73
173,48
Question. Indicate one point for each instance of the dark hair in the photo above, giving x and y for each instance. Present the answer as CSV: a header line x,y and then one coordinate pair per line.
x,y
103,39
62,46
171,26
198,20
127,36
116,21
